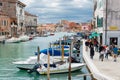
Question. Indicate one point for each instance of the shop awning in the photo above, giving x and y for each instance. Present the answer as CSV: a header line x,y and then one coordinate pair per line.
x,y
94,34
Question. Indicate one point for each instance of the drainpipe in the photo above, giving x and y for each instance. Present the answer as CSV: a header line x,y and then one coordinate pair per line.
x,y
106,23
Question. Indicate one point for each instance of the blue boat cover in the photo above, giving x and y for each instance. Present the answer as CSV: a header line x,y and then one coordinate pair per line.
x,y
52,52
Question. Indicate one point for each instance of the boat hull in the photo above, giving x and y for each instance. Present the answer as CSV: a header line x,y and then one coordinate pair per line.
x,y
59,70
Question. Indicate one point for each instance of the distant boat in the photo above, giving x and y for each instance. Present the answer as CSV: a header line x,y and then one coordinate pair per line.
x,y
60,68
24,38
13,40
52,34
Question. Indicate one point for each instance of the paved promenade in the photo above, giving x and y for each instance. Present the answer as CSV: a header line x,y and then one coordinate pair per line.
x,y
106,70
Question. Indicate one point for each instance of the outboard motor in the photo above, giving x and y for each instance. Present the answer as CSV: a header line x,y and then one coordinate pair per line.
x,y
34,69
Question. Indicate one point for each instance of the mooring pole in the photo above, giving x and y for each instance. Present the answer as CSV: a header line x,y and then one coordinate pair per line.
x,y
69,75
48,64
38,57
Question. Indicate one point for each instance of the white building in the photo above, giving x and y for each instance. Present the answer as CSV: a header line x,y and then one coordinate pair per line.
x,y
20,13
107,17
30,22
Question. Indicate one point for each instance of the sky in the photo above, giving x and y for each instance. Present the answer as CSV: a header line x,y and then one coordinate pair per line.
x,y
52,11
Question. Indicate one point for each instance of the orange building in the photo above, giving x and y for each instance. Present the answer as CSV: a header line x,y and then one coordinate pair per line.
x,y
4,24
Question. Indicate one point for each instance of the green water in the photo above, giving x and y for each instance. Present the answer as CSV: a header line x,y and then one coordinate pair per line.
x,y
11,52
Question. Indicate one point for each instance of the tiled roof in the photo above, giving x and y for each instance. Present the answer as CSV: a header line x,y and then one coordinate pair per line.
x,y
29,14
21,3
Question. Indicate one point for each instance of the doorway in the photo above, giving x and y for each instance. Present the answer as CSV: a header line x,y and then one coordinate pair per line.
x,y
113,41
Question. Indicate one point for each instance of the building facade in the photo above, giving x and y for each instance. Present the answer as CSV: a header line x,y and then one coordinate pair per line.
x,y
30,23
20,14
15,10
4,26
107,17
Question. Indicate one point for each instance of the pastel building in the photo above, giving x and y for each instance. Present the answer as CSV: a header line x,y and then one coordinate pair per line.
x,y
14,9
107,17
4,25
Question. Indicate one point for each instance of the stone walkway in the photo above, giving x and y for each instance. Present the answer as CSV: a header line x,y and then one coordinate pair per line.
x,y
102,70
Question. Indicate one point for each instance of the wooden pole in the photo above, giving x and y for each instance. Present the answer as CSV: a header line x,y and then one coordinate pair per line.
x,y
38,57
60,45
48,66
69,75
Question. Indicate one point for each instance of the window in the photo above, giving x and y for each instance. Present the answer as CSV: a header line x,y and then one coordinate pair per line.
x,y
35,19
0,4
21,11
5,23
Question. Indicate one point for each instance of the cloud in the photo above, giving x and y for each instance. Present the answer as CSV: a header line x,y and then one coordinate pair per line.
x,y
59,8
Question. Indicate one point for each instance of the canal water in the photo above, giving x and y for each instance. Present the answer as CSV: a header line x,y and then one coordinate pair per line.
x,y
11,52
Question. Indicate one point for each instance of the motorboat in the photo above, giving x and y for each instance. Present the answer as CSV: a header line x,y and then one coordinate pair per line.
x,y
31,61
60,68
13,40
24,38
56,55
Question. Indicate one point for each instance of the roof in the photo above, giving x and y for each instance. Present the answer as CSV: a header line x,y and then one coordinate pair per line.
x,y
19,2
29,14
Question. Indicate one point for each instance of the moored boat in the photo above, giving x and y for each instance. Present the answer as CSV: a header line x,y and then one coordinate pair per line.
x,y
31,61
60,68
13,40
24,38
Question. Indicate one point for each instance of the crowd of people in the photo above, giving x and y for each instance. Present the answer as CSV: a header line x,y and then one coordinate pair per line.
x,y
104,50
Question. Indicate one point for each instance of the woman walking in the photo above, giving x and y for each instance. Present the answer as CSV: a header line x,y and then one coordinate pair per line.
x,y
92,51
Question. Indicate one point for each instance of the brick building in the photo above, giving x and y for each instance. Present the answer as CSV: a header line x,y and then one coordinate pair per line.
x,y
14,9
4,25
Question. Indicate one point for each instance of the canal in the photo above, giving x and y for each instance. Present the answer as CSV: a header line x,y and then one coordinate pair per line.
x,y
11,52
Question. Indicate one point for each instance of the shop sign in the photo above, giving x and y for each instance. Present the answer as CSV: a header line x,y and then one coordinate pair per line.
x,y
113,28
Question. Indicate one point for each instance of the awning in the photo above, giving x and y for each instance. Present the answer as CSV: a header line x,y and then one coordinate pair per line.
x,y
94,34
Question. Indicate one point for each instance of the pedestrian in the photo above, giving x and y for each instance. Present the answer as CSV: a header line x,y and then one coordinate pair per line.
x,y
96,45
102,54
115,53
100,49
111,50
92,51
107,51
87,44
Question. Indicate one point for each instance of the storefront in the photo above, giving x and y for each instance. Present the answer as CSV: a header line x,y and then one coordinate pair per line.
x,y
113,38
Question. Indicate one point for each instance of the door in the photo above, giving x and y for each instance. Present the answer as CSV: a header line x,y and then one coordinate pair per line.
x,y
113,41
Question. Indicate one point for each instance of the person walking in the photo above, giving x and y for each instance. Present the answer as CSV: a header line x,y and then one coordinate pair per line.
x,y
96,45
115,53
100,49
92,51
107,51
102,54
87,45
